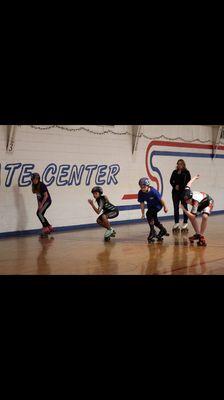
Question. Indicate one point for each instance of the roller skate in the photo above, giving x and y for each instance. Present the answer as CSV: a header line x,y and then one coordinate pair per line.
x,y
202,241
184,228
162,232
176,228
108,234
45,232
196,236
51,229
152,236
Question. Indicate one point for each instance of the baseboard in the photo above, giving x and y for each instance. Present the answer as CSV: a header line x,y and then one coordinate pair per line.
x,y
87,226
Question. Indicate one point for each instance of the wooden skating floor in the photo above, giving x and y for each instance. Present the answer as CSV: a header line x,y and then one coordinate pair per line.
x,y
85,253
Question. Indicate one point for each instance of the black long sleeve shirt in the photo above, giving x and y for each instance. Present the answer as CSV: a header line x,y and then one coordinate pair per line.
x,y
180,179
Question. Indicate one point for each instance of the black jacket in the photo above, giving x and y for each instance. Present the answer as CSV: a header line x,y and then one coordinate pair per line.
x,y
180,179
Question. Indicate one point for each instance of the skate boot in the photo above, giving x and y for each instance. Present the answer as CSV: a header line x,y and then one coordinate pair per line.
x,y
152,236
108,234
196,236
176,228
162,232
202,241
184,228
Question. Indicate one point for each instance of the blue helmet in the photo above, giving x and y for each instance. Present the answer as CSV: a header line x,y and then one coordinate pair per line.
x,y
144,181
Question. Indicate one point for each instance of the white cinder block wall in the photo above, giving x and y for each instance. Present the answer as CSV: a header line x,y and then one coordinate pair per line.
x,y
72,163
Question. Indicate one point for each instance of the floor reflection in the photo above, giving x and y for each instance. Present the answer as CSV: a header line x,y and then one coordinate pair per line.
x,y
157,251
43,265
187,259
106,264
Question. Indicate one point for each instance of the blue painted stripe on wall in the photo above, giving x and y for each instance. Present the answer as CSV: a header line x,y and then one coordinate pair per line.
x,y
185,154
177,154
129,207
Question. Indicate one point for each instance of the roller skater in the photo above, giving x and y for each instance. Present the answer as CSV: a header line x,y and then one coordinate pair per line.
x,y
202,203
155,203
178,181
109,211
44,202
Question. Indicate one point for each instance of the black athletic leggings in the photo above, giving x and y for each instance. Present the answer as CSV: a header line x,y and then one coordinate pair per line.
x,y
152,218
176,201
40,214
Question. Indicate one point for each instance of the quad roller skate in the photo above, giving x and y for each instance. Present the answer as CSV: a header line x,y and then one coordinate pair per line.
x,y
162,232
45,232
176,228
202,241
109,233
184,228
152,236
196,236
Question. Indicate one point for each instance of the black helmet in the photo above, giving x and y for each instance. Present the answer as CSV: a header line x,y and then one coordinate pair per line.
x,y
188,194
97,189
35,175
144,181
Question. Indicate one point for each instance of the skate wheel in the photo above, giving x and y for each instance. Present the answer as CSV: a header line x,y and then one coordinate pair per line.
x,y
107,239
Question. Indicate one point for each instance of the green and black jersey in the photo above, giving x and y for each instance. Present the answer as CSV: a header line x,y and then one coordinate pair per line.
x,y
105,205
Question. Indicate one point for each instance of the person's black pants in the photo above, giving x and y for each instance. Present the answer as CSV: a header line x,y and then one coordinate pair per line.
x,y
176,202
152,218
40,214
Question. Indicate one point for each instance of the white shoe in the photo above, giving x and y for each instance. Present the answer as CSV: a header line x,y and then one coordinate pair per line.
x,y
184,226
176,226
108,233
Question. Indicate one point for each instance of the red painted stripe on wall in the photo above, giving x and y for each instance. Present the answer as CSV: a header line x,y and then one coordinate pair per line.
x,y
130,197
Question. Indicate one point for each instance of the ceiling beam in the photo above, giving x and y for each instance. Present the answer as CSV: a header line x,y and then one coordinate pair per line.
x,y
11,138
136,133
216,136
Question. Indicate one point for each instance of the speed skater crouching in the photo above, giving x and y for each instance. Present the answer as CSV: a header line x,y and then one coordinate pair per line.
x,y
106,211
155,203
202,203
